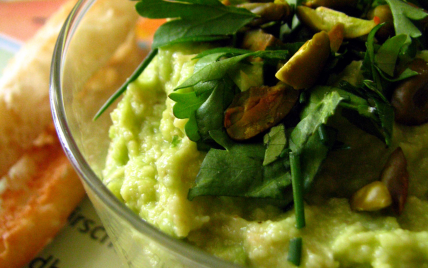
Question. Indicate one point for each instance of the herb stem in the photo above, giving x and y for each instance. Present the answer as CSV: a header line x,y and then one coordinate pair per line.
x,y
143,65
297,184
295,251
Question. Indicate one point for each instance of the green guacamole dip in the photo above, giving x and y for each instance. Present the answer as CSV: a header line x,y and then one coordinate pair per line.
x,y
152,164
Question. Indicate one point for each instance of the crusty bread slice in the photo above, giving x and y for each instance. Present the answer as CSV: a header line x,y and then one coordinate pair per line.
x,y
38,186
24,89
24,86
37,195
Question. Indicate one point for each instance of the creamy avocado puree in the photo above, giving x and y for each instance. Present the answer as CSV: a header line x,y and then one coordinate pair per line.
x,y
152,164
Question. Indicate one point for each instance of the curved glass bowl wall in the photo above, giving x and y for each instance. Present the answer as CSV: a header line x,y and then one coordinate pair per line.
x,y
85,142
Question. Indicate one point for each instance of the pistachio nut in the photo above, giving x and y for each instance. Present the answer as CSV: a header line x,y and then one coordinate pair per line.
x,y
336,35
372,197
336,4
304,67
410,97
396,179
324,19
383,14
256,40
268,12
257,109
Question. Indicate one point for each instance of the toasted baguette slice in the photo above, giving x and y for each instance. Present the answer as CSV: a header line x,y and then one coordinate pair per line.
x,y
38,186
37,195
24,86
41,189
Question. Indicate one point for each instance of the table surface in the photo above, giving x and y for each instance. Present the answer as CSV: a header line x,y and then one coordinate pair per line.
x,y
83,242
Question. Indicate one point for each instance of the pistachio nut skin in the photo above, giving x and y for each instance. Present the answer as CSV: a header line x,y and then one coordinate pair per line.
x,y
258,109
396,178
256,40
410,97
336,35
304,67
268,12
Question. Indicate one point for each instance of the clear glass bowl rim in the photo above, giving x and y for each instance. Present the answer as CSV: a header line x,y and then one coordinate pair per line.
x,y
82,167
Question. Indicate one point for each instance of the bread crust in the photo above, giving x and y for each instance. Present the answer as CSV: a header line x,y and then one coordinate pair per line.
x,y
24,86
27,74
41,191
38,186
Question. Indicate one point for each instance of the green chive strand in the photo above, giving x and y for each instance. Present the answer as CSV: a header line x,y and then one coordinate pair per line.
x,y
297,184
143,65
295,251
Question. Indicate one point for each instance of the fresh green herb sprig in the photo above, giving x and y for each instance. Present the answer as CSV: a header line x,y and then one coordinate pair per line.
x,y
218,22
365,106
212,90
403,15
239,170
379,71
218,69
369,112
193,20
380,62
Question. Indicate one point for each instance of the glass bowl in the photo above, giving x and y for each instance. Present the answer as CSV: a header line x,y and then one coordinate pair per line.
x,y
85,142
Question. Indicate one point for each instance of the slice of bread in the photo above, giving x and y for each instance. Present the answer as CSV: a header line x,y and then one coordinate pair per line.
x,y
39,192
24,86
38,186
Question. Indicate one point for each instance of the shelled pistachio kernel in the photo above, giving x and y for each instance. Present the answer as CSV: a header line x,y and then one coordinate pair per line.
x,y
302,70
372,197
